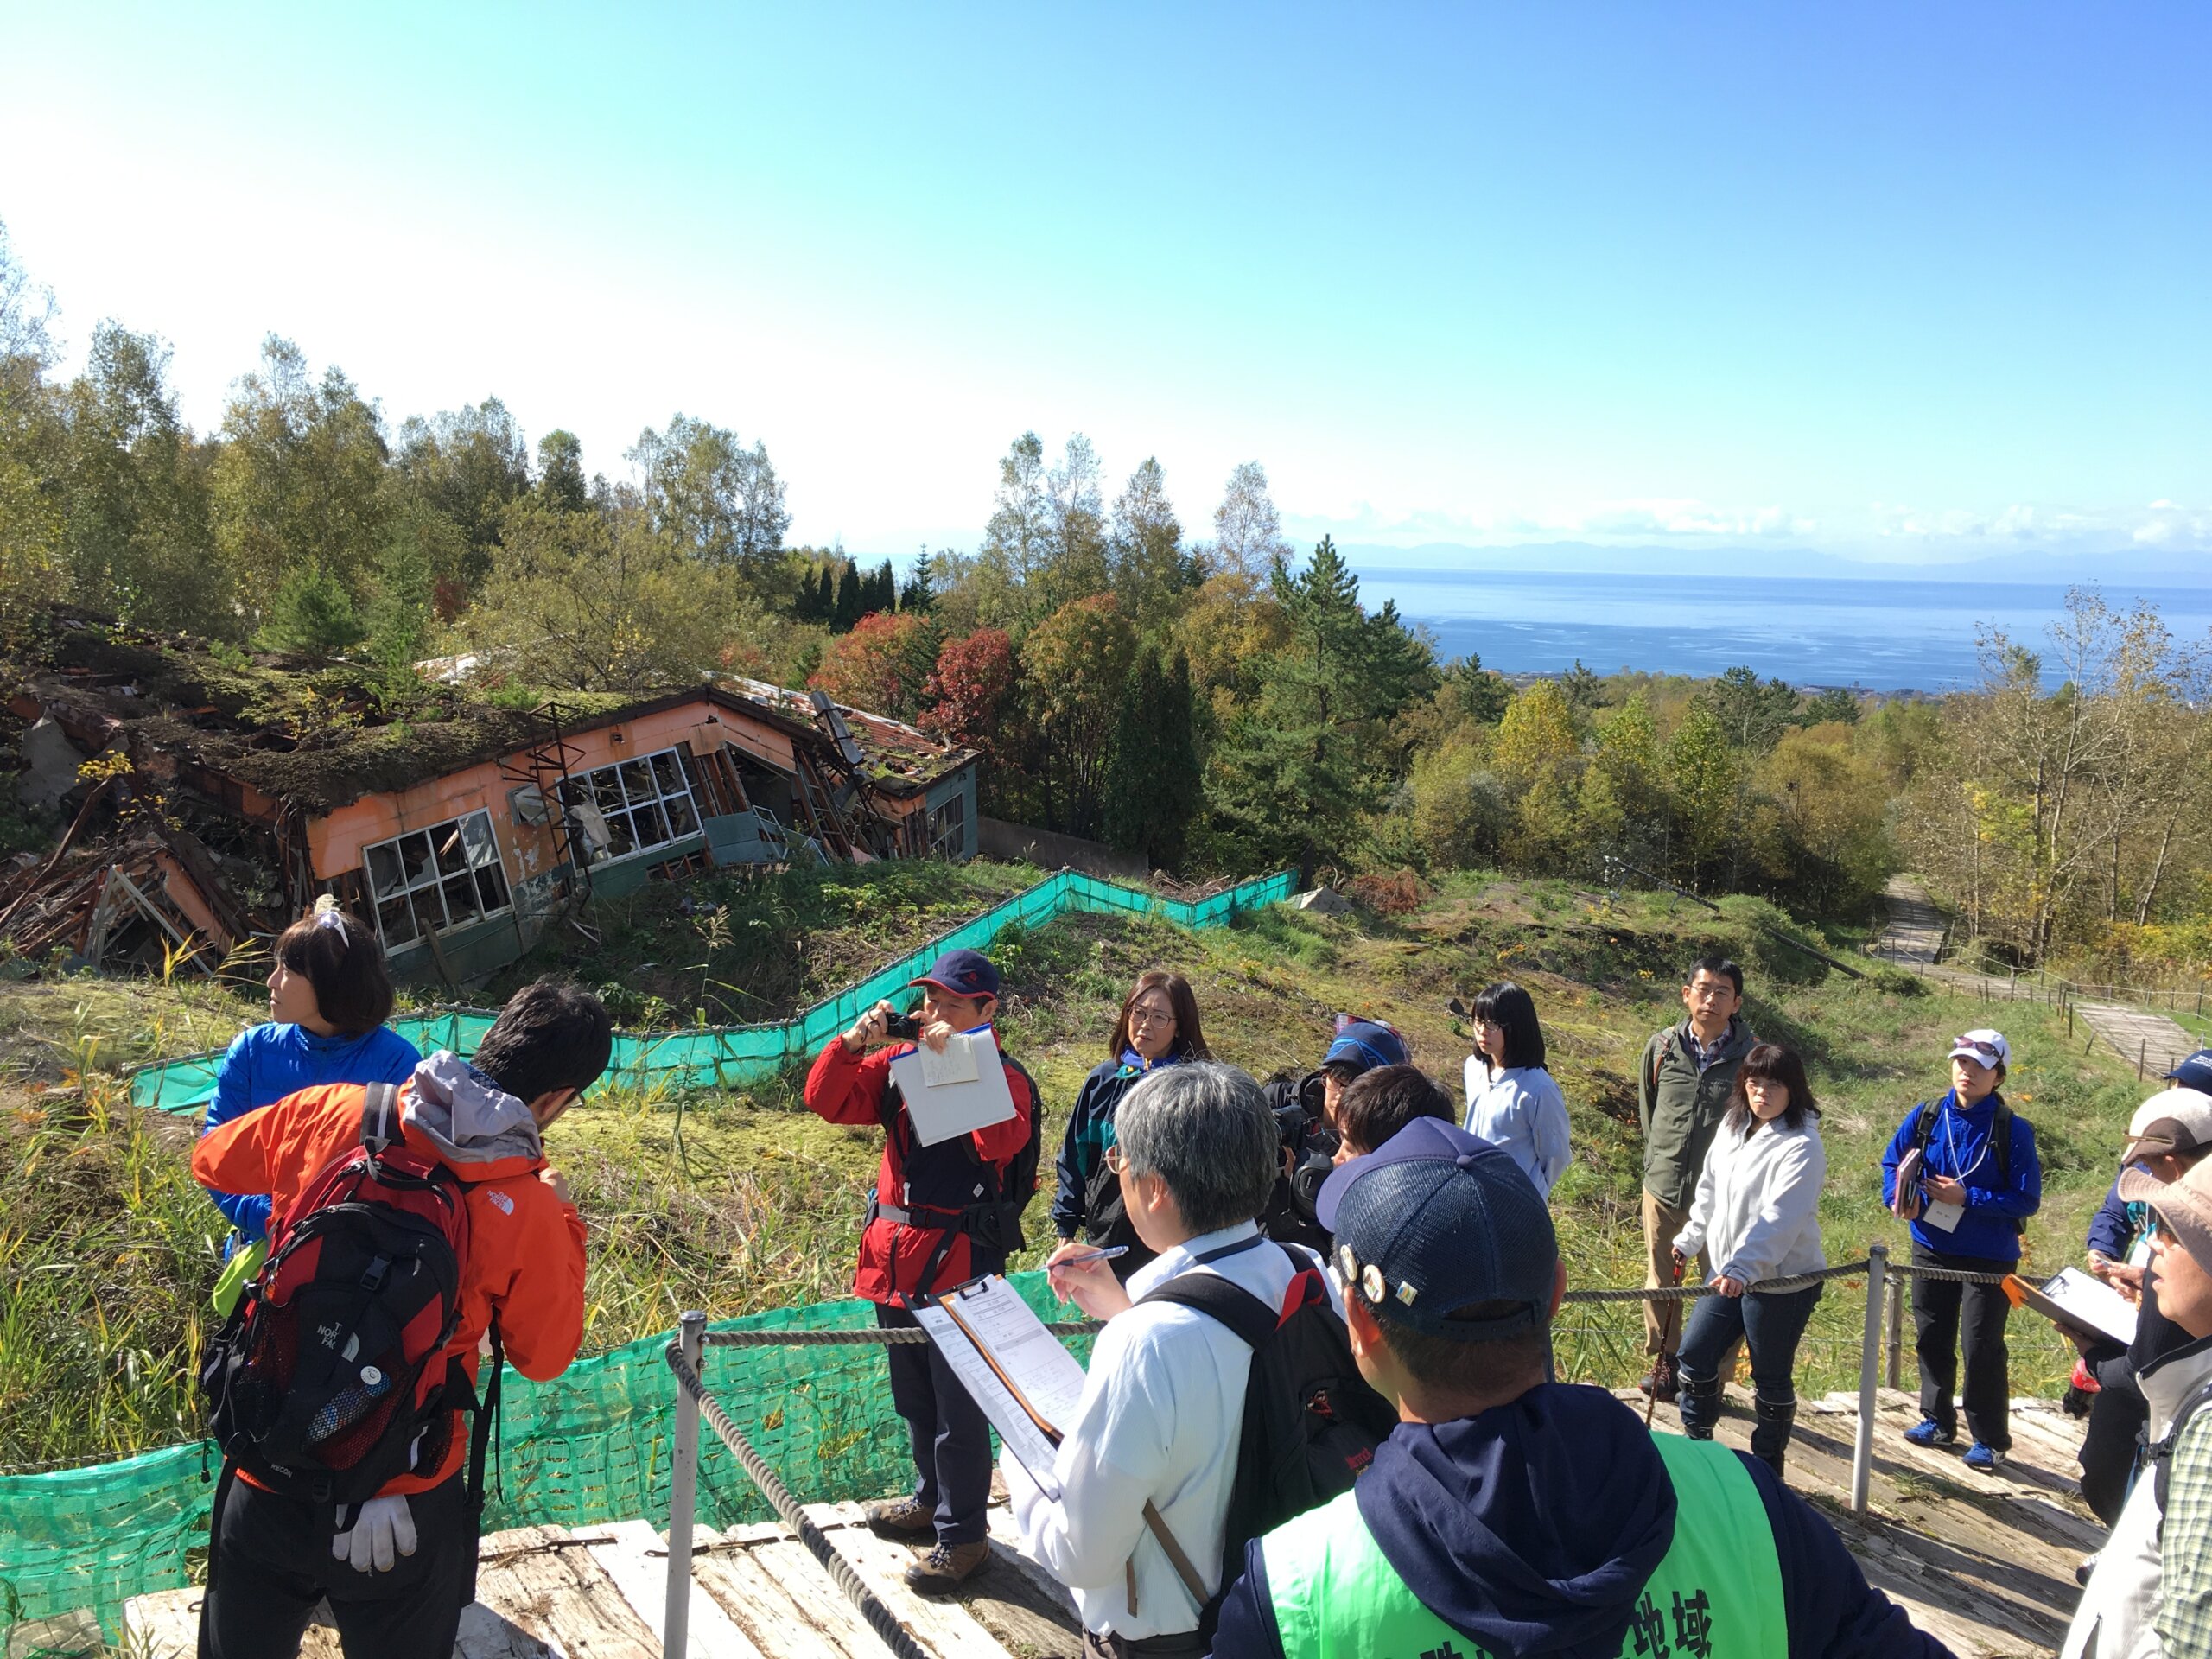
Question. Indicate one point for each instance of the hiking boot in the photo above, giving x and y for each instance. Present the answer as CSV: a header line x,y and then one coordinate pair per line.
x,y
1983,1459
901,1517
947,1566
1662,1383
1770,1428
1929,1433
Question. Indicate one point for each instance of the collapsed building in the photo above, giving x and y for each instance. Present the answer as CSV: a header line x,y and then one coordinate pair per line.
x,y
210,795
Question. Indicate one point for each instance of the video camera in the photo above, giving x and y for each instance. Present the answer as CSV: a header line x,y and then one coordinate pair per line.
x,y
1309,1147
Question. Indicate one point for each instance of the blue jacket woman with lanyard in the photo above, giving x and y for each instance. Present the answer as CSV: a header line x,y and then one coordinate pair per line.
x,y
1963,1171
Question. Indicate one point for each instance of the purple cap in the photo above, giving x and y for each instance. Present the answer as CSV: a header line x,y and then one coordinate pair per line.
x,y
963,973
1437,1220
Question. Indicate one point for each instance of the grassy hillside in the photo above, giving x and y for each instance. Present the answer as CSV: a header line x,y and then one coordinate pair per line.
x,y
106,1248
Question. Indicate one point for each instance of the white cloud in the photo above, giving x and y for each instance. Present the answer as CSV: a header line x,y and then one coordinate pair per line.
x,y
2162,525
1633,519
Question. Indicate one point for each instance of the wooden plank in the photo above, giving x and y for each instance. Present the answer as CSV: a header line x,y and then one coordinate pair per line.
x,y
166,1625
64,1633
945,1627
486,1633
550,1587
637,1561
779,1592
1007,1538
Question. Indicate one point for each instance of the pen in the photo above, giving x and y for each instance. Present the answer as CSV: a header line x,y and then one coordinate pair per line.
x,y
1089,1256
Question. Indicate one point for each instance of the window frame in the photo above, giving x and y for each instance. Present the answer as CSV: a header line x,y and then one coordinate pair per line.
x,y
606,789
479,854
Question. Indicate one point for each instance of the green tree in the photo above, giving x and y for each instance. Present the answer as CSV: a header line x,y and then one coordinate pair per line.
x,y
468,464
604,601
1076,563
1836,703
1624,795
1152,573
720,502
1309,754
1156,785
1075,667
298,484
1018,542
1461,813
311,613
1703,779
561,483
1538,756
1248,537
30,522
920,591
1752,715
133,487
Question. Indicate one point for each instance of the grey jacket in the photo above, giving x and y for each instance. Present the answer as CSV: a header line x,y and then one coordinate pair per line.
x,y
1680,1106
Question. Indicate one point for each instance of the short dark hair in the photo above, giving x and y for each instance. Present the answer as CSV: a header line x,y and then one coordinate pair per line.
x,y
548,1036
342,961
1377,1105
1472,1367
1773,1063
1720,968
1190,1035
1507,1004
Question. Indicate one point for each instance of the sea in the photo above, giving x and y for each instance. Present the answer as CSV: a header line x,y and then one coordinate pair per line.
x,y
1877,635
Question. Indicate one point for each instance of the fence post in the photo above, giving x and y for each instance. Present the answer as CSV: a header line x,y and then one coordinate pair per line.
x,y
2142,1054
682,1493
1862,1446
1895,1345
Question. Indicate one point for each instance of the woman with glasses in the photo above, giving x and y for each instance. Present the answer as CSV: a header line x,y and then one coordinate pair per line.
x,y
1963,1171
1159,1026
1512,1101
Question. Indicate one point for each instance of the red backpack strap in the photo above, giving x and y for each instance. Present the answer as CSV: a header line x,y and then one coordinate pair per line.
x,y
380,1127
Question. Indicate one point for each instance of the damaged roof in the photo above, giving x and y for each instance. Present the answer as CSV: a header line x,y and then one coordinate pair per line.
x,y
320,736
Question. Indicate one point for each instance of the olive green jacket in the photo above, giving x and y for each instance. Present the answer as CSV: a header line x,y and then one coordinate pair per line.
x,y
1681,1107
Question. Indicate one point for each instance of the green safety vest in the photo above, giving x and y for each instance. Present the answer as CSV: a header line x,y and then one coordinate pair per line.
x,y
1717,1594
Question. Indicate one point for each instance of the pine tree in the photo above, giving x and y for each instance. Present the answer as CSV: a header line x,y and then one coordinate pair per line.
x,y
1154,788
918,592
847,610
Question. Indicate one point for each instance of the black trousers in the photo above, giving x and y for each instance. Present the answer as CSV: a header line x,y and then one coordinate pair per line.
x,y
2118,1415
270,1563
1943,1311
951,1437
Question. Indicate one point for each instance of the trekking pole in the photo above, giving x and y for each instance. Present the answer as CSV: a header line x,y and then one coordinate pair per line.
x,y
1667,1318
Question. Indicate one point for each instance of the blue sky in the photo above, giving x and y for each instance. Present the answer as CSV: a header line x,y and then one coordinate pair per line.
x,y
1903,282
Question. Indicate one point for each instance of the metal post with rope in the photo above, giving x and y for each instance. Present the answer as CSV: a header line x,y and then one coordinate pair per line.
x,y
686,1353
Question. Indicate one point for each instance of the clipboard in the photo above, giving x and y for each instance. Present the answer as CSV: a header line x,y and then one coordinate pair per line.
x,y
962,1090
2078,1303
1014,1367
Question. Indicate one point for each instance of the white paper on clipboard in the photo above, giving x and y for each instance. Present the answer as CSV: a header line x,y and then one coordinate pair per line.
x,y
1026,1381
952,1093
2087,1303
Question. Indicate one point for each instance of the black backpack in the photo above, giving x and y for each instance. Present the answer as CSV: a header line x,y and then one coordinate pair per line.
x,y
995,1223
2000,1143
1311,1421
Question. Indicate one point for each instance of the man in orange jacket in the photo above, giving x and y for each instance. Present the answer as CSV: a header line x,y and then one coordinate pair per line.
x,y
939,1215
396,1568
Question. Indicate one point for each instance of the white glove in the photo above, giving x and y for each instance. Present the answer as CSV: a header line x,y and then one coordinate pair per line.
x,y
382,1530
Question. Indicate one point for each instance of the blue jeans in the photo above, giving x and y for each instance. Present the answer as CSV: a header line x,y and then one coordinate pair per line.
x,y
1770,1325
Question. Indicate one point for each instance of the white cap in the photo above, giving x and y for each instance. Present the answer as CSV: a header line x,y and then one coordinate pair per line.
x,y
2173,1120
1979,1046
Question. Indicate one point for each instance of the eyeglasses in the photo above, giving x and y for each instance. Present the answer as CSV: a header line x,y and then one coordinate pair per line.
x,y
1116,1160
1141,1016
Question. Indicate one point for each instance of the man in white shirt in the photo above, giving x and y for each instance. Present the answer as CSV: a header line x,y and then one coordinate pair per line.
x,y
1195,1150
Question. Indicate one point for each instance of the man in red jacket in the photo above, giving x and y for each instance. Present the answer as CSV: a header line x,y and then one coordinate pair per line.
x,y
396,1568
938,1217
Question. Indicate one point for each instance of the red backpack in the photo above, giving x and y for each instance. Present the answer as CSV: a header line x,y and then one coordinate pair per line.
x,y
331,1377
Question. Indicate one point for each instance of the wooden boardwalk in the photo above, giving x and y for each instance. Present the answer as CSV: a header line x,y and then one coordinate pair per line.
x,y
1986,1563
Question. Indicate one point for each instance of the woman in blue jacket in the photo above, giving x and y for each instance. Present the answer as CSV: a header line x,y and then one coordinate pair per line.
x,y
329,995
1159,1026
1963,1171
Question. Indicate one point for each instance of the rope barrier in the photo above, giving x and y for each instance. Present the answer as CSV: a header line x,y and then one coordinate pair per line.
x,y
880,1618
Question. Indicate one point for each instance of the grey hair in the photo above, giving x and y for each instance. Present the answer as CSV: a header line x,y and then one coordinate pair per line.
x,y
1205,1130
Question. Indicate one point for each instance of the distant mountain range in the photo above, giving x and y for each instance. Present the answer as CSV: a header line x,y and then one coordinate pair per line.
x,y
2129,567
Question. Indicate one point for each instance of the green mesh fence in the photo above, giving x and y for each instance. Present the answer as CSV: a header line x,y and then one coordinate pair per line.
x,y
720,1056
592,1445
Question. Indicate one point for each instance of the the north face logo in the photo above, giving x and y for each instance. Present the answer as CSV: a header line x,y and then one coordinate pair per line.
x,y
505,1205
328,1334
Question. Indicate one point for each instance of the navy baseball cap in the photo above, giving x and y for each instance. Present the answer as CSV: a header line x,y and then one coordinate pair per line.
x,y
1437,1220
2195,1072
963,973
1365,1044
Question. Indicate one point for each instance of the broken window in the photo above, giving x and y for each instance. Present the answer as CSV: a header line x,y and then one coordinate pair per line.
x,y
948,828
647,802
429,880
